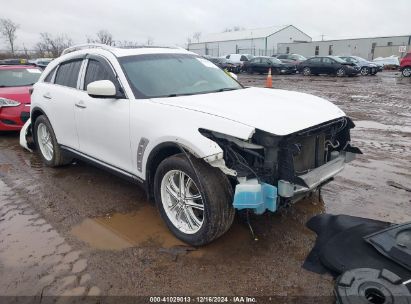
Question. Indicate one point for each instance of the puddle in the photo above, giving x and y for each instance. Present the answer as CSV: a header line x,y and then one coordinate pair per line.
x,y
121,231
146,228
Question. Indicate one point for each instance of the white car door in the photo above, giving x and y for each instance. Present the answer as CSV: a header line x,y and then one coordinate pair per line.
x,y
58,98
103,123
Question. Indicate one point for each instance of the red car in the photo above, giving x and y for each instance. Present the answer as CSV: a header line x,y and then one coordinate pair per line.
x,y
405,65
15,83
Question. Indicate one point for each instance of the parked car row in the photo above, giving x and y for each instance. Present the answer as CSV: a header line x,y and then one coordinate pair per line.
x,y
295,63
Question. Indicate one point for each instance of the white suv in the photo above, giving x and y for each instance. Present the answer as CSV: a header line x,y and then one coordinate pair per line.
x,y
200,143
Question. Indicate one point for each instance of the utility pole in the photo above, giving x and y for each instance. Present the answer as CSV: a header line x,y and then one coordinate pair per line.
x,y
322,37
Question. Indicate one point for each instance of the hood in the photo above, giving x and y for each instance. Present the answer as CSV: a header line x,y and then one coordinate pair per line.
x,y
278,112
20,94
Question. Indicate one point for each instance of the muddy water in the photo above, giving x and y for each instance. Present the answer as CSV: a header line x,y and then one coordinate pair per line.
x,y
119,231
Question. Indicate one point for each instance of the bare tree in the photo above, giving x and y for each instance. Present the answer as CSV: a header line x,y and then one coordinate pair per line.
x,y
105,37
197,36
127,43
8,30
150,41
52,46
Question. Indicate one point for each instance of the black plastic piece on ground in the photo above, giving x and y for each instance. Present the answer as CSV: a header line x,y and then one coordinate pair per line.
x,y
326,226
348,250
394,243
366,285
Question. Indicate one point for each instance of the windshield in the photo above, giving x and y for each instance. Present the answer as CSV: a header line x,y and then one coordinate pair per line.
x,y
359,58
338,59
275,60
298,57
167,75
19,77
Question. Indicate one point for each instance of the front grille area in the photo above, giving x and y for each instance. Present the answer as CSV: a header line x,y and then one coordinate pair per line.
x,y
310,154
8,122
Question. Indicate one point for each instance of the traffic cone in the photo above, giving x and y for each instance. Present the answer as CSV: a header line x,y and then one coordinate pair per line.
x,y
269,81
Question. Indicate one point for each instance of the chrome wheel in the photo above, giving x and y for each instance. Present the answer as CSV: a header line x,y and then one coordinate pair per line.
x,y
364,71
340,72
306,71
182,201
44,141
406,72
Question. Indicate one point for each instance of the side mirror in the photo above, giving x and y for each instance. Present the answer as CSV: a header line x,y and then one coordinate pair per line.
x,y
101,89
233,75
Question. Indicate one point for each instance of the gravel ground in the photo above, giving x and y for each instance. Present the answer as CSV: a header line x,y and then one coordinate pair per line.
x,y
78,230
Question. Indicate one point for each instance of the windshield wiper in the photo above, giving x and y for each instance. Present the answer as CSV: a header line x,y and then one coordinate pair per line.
x,y
226,89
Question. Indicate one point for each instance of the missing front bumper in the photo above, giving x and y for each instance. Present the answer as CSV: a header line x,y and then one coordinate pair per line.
x,y
250,194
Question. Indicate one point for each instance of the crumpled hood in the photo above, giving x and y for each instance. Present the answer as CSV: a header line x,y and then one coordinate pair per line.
x,y
20,94
279,112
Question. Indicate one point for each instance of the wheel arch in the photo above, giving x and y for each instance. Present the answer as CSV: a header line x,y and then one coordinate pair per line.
x,y
156,156
35,113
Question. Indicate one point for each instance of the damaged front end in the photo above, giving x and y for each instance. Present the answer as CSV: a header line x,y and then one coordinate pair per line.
x,y
272,171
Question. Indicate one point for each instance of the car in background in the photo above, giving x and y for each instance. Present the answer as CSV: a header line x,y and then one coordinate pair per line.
x,y
42,62
392,62
262,64
223,64
405,65
15,84
291,58
330,65
13,61
366,67
238,60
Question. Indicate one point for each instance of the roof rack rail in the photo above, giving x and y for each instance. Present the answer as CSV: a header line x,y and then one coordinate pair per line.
x,y
110,48
87,46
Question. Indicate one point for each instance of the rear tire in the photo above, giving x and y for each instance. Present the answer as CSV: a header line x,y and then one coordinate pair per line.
x,y
341,72
47,145
208,188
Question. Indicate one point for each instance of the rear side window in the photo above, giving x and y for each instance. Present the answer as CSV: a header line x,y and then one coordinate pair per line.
x,y
243,58
67,74
314,60
49,77
98,71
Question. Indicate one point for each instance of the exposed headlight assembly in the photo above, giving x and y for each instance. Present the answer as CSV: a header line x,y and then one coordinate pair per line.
x,y
5,102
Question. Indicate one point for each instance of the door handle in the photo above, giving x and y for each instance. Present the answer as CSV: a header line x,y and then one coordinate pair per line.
x,y
47,96
80,104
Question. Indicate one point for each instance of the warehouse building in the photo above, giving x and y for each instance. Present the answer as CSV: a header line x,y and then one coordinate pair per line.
x,y
262,41
368,48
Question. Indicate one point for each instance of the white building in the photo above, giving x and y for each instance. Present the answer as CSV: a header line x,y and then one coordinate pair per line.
x,y
262,41
368,48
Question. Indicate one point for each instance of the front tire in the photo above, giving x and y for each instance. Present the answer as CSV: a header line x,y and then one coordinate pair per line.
x,y
364,71
46,143
406,72
195,203
306,71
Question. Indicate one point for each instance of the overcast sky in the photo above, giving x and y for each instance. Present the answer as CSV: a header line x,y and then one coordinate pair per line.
x,y
172,21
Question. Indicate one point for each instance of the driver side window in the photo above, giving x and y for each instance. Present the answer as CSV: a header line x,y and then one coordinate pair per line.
x,y
98,71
